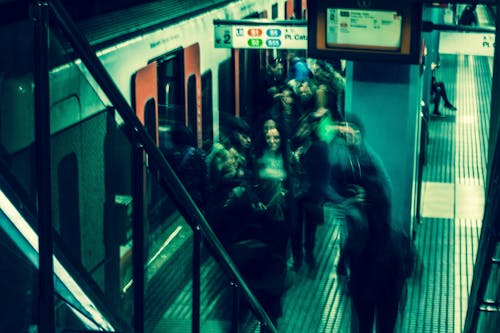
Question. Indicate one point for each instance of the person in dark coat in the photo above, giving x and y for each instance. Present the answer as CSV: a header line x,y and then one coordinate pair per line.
x,y
355,163
237,218
379,266
313,155
236,136
468,16
378,257
316,169
188,162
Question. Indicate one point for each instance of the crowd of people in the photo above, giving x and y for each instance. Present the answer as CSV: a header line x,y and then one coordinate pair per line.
x,y
263,187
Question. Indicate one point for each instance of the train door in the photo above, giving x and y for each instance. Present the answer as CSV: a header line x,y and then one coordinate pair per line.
x,y
159,91
179,92
167,91
207,109
192,81
171,108
304,10
145,101
295,9
289,9
249,67
249,72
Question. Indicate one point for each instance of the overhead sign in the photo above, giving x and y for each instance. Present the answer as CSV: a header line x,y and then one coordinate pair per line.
x,y
260,34
363,28
471,43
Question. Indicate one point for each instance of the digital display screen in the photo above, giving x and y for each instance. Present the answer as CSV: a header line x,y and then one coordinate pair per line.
x,y
363,29
377,30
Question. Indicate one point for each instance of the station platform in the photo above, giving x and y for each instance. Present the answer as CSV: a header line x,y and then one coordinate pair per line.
x,y
447,234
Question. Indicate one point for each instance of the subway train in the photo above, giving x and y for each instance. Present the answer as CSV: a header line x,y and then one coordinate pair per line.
x,y
162,59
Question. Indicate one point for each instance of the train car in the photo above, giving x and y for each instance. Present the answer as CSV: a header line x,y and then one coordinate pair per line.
x,y
161,57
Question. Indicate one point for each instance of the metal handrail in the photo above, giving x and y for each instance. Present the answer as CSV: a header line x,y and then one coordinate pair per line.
x,y
170,182
46,305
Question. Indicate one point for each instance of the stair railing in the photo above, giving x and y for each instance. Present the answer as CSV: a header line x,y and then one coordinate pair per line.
x,y
141,138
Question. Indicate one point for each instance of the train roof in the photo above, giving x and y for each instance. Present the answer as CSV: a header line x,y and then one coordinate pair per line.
x,y
118,25
104,25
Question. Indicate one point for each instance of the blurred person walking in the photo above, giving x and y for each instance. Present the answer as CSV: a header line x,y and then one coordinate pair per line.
x,y
378,257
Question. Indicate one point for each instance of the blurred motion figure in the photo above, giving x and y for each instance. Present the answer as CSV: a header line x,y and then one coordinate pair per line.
x,y
378,257
468,16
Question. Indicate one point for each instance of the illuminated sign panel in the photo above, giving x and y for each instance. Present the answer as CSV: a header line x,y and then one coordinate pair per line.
x,y
263,34
363,28
376,30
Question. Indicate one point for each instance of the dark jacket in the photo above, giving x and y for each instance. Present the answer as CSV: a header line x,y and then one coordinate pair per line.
x,y
237,221
361,166
233,212
189,165
468,16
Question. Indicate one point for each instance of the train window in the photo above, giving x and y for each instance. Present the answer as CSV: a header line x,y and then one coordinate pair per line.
x,y
253,15
274,11
207,109
192,110
173,107
150,118
170,89
145,97
226,87
150,122
249,70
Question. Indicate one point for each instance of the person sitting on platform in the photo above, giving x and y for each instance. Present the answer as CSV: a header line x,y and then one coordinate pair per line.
x,y
438,91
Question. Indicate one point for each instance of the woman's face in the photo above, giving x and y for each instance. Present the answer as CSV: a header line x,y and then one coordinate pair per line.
x,y
273,139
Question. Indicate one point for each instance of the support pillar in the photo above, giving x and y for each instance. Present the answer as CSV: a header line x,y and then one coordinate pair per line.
x,y
386,97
